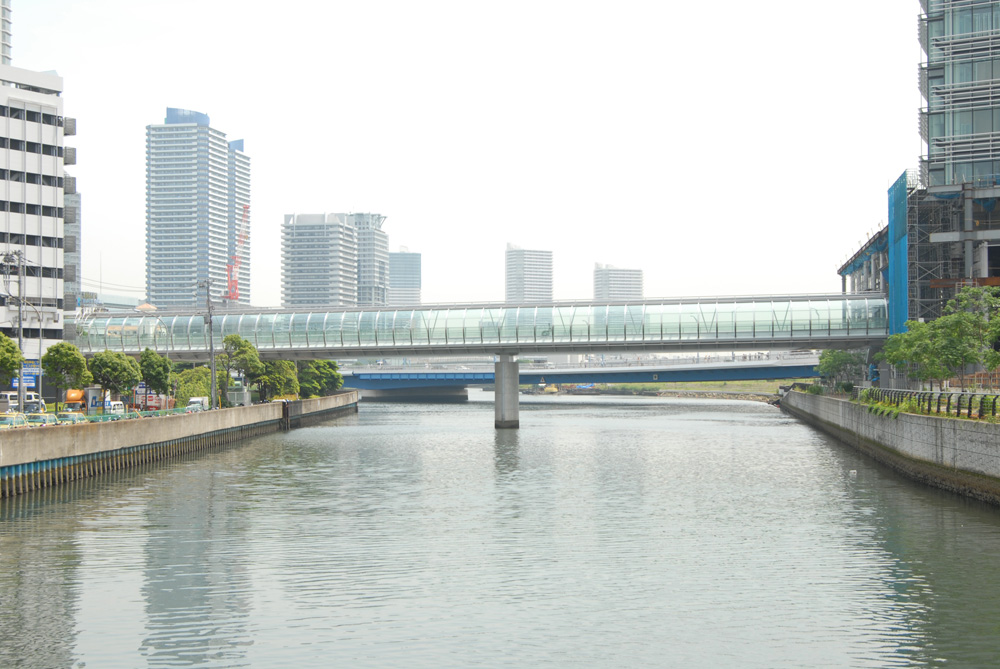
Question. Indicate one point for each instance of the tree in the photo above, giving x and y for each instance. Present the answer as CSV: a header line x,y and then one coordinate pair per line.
x,y
115,372
10,359
319,377
278,379
155,372
239,356
195,382
841,366
66,367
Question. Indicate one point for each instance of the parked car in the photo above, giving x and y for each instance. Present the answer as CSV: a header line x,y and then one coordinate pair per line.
x,y
70,417
41,419
11,420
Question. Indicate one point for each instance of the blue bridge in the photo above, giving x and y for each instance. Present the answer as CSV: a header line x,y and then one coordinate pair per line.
x,y
505,330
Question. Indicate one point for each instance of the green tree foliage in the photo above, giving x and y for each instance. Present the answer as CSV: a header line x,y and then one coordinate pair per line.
x,y
10,359
840,366
277,380
155,371
115,372
195,382
239,356
965,336
318,378
66,367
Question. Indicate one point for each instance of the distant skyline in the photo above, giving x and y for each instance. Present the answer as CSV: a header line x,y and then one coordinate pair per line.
x,y
706,150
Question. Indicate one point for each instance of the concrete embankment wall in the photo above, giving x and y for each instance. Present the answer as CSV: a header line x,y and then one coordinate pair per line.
x,y
958,455
40,457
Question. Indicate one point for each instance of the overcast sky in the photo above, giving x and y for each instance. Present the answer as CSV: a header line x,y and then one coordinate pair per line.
x,y
731,148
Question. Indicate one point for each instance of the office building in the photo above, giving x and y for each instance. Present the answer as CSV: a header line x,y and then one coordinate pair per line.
x,y
32,205
960,68
197,213
404,278
373,259
319,261
616,284
528,275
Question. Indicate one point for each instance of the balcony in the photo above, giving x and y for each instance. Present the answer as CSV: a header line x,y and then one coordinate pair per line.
x,y
69,127
69,155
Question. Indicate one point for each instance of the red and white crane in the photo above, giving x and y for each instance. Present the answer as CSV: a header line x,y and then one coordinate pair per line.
x,y
232,268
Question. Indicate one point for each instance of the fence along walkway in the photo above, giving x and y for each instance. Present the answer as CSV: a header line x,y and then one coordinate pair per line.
x,y
958,404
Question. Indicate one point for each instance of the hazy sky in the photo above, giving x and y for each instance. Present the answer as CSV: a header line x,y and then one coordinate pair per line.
x,y
737,149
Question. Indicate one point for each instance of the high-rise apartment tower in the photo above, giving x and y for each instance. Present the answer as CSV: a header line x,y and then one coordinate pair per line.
x,y
614,283
528,275
197,211
319,261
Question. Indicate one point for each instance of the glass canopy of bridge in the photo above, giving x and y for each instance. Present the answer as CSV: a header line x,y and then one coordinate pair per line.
x,y
499,326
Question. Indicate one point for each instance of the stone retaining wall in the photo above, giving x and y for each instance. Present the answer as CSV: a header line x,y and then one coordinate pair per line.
x,y
39,457
958,455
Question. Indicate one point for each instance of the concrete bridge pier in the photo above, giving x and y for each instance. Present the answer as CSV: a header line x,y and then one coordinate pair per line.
x,y
505,373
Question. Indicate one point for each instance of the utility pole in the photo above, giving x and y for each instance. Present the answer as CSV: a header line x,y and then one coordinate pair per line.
x,y
211,339
8,259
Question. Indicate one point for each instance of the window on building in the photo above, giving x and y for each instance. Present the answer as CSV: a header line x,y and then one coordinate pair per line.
x,y
963,123
963,72
982,120
982,70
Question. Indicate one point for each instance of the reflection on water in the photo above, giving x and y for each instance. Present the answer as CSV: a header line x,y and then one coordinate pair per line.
x,y
605,532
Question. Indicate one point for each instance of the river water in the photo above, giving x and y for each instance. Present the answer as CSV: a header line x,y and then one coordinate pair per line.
x,y
605,532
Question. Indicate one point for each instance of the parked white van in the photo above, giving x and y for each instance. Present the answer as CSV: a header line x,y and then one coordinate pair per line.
x,y
116,409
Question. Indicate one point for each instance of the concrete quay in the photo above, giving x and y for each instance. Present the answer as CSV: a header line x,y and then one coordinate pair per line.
x,y
42,457
962,456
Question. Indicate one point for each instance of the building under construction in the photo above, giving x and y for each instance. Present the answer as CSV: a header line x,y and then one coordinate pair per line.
x,y
938,239
944,228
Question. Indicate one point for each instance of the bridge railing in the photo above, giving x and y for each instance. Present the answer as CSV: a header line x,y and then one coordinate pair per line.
x,y
739,320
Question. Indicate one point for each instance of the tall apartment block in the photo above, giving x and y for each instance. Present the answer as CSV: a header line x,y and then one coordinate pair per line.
x,y
197,213
616,284
528,276
373,259
319,261
404,278
32,205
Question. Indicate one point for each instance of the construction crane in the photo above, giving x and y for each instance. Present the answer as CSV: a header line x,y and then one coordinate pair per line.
x,y
232,268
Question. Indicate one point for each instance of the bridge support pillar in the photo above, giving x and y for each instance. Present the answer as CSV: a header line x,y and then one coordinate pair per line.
x,y
505,373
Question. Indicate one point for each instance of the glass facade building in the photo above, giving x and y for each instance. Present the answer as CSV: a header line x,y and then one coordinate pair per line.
x,y
960,86
197,212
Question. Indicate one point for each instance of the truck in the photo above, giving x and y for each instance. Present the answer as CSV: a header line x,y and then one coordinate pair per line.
x,y
198,404
75,401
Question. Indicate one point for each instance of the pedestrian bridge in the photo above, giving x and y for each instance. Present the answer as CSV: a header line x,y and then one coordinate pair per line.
x,y
705,324
504,330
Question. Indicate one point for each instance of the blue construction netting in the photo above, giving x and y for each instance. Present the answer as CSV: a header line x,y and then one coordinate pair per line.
x,y
897,280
